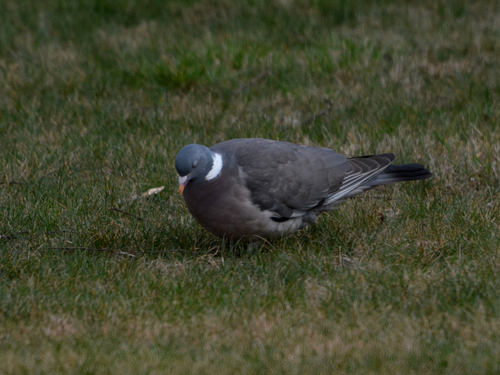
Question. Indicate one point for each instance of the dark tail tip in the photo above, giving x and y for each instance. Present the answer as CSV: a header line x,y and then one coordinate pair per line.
x,y
399,173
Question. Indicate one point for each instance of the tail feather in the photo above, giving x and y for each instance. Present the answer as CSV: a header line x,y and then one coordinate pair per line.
x,y
399,173
371,171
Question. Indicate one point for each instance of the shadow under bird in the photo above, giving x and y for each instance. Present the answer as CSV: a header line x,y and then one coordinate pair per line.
x,y
258,187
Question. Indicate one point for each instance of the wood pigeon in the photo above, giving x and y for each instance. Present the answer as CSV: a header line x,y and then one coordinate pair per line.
x,y
258,187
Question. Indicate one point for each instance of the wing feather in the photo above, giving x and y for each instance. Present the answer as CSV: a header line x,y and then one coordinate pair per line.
x,y
289,179
282,173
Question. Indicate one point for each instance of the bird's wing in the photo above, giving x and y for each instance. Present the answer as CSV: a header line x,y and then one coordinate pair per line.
x,y
285,178
363,169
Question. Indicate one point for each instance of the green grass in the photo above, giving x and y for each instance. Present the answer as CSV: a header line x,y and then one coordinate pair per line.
x,y
96,99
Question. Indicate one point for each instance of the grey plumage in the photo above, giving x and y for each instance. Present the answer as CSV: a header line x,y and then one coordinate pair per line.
x,y
269,187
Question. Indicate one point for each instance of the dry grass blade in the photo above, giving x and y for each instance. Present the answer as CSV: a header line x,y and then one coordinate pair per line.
x,y
253,82
126,213
152,191
12,236
321,113
9,183
104,249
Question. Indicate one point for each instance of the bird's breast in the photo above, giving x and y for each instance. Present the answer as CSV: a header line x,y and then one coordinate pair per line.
x,y
224,207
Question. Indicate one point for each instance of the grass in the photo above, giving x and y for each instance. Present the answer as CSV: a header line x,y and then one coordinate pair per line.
x,y
96,99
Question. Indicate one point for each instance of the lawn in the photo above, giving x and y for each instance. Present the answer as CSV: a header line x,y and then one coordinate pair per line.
x,y
96,99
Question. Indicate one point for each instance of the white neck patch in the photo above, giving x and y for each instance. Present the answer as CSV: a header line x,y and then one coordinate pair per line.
x,y
216,167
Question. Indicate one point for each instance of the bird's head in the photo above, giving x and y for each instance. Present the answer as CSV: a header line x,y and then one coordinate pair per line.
x,y
193,163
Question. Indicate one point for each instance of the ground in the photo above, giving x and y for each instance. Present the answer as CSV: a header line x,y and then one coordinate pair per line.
x,y
96,99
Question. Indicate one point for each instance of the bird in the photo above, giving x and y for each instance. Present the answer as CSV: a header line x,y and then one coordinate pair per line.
x,y
258,188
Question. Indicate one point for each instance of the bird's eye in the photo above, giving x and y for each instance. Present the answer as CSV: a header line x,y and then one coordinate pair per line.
x,y
195,163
